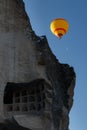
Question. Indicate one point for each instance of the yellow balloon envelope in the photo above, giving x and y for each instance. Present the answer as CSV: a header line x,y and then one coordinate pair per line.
x,y
59,27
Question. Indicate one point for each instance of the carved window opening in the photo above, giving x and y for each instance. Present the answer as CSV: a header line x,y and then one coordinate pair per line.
x,y
32,107
24,108
24,99
39,98
10,108
31,99
27,99
17,94
24,93
16,107
17,100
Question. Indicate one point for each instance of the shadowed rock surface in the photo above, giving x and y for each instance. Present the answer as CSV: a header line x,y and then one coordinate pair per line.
x,y
11,125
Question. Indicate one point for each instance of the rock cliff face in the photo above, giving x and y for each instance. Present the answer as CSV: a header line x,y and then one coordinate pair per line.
x,y
62,78
36,90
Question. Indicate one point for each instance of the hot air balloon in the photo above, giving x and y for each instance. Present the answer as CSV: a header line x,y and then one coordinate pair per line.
x,y
59,27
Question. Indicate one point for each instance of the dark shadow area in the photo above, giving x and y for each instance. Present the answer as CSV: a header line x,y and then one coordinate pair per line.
x,y
11,125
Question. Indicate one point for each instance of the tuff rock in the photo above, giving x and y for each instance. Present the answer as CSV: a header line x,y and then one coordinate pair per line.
x,y
36,90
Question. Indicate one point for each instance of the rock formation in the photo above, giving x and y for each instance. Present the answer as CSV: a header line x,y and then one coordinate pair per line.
x,y
36,90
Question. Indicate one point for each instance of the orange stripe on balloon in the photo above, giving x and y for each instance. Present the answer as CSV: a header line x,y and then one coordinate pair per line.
x,y
60,29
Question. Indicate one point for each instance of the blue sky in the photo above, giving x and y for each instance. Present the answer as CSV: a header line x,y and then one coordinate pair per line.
x,y
71,49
